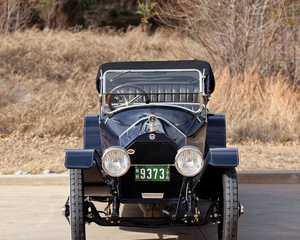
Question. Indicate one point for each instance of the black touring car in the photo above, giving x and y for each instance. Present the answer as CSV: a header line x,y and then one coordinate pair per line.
x,y
155,144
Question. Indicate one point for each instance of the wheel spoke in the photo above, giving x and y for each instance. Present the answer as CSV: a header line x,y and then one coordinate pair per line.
x,y
132,100
122,99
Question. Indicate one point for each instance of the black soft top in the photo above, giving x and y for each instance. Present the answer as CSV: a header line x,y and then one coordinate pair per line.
x,y
184,64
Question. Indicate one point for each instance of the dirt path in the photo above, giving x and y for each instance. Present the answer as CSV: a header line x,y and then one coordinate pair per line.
x,y
35,154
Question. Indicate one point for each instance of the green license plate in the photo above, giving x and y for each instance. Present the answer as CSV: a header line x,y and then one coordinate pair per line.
x,y
153,173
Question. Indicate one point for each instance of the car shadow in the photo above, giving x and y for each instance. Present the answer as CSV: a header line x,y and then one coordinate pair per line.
x,y
208,231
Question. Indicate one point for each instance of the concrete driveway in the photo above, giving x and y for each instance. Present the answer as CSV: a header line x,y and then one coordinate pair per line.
x,y
272,211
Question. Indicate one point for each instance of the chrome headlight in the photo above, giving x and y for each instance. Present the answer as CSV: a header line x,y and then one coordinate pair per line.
x,y
189,161
115,161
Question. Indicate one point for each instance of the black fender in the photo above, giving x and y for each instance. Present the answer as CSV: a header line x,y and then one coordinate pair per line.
x,y
222,157
83,158
92,142
215,159
216,131
91,135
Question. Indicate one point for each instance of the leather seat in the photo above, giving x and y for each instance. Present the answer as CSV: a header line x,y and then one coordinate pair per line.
x,y
181,94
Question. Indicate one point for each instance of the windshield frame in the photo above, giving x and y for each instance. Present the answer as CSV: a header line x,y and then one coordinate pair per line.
x,y
104,80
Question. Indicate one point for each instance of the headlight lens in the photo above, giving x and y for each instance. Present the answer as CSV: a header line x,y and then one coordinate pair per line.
x,y
115,161
189,161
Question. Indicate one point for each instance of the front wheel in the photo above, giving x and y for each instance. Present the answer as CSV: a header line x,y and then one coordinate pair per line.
x,y
229,206
77,213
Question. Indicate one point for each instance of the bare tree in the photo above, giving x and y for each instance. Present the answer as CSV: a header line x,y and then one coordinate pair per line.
x,y
145,8
52,15
237,33
15,14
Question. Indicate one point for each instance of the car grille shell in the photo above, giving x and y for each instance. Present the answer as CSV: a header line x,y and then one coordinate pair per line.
x,y
161,152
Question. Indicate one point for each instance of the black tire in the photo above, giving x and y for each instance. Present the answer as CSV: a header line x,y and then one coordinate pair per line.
x,y
229,207
77,211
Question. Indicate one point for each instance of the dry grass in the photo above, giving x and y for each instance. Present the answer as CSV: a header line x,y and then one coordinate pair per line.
x,y
266,110
47,79
271,156
47,85
35,154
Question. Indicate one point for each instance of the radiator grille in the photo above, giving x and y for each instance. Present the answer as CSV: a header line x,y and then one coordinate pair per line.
x,y
151,153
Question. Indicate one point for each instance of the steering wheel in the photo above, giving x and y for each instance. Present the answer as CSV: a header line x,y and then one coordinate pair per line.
x,y
122,98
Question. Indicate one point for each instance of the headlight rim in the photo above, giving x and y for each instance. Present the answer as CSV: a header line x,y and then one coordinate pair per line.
x,y
109,150
186,148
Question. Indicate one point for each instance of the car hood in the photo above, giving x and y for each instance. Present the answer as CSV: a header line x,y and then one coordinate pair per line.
x,y
123,127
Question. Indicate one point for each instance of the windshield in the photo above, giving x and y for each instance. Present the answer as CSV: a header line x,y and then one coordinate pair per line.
x,y
124,88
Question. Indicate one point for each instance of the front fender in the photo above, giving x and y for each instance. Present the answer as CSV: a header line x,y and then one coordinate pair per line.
x,y
222,157
91,137
83,158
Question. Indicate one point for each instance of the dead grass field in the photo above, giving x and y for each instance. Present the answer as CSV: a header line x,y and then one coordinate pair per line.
x,y
47,85
259,156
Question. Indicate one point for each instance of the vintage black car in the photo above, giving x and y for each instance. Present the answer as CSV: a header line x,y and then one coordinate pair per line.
x,y
155,144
